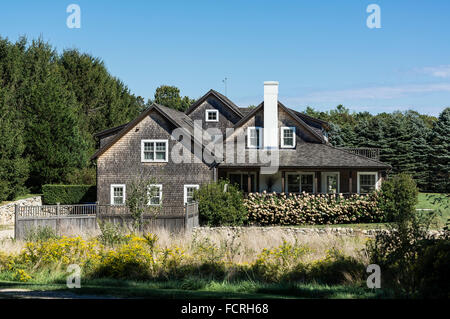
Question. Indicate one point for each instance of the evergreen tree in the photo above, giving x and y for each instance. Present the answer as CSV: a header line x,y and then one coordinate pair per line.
x,y
13,167
170,96
439,158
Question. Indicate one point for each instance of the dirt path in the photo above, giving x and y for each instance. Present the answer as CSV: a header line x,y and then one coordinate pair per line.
x,y
7,233
51,294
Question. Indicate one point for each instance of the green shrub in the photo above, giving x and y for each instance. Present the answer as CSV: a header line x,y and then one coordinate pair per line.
x,y
298,209
399,196
220,204
40,233
83,176
69,194
111,234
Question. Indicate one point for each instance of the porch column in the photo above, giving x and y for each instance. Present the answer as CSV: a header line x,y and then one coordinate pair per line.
x,y
316,182
350,173
283,174
249,182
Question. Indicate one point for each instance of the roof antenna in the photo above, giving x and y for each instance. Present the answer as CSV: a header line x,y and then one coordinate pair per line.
x,y
225,82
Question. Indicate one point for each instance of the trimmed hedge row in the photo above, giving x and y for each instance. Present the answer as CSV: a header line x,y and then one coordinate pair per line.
x,y
69,194
298,209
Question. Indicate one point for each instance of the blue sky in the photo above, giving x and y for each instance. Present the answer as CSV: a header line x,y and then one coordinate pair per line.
x,y
321,52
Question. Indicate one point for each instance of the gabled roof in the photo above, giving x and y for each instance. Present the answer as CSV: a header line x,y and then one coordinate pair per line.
x,y
177,118
287,110
220,97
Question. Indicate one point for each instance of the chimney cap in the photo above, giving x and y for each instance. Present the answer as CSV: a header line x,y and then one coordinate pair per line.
x,y
270,82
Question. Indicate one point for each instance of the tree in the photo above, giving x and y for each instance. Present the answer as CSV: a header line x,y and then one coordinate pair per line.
x,y
170,96
439,158
13,166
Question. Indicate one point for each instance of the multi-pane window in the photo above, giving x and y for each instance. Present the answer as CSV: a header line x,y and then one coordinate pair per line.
x,y
367,182
212,115
155,194
117,194
254,137
288,137
189,193
297,183
154,151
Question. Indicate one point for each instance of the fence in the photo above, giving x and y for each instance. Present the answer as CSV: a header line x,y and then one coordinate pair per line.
x,y
81,219
373,153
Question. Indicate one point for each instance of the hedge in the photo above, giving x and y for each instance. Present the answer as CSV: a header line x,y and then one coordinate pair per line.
x,y
69,194
299,209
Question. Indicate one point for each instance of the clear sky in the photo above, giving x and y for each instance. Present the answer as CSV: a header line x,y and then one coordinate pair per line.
x,y
321,52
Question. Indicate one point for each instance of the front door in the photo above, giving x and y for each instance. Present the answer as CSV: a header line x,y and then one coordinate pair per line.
x,y
330,182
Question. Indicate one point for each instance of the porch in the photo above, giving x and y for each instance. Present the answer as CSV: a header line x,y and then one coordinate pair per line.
x,y
309,180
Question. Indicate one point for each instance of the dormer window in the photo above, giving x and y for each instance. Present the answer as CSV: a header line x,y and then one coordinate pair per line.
x,y
212,116
287,137
254,135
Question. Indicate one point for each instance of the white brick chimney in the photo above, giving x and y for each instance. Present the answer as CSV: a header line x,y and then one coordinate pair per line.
x,y
270,138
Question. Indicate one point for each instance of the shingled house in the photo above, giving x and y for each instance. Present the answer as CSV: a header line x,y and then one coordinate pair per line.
x,y
306,160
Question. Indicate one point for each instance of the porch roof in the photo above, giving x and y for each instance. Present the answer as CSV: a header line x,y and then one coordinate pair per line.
x,y
312,155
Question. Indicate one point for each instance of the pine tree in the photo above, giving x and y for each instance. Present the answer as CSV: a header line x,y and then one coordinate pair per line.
x,y
13,167
439,158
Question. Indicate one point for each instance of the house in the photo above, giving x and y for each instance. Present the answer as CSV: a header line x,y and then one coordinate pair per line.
x,y
152,144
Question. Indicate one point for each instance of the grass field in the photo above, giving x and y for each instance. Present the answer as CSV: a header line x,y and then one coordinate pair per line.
x,y
195,288
437,202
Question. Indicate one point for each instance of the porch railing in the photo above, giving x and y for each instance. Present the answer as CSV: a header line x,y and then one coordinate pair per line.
x,y
373,153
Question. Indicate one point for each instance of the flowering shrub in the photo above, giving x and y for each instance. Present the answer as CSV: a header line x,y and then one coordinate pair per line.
x,y
297,209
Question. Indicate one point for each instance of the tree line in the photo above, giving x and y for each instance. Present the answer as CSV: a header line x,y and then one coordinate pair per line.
x,y
52,103
412,143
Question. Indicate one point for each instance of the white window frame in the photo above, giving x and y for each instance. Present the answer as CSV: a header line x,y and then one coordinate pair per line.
x,y
196,186
285,128
154,160
112,193
160,194
367,173
300,173
259,130
324,181
212,111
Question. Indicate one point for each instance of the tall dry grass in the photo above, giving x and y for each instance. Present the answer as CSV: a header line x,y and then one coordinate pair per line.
x,y
243,246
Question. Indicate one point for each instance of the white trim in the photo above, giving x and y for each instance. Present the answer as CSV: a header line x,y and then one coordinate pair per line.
x,y
154,151
324,181
377,186
259,130
160,194
111,189
186,186
299,173
212,111
285,128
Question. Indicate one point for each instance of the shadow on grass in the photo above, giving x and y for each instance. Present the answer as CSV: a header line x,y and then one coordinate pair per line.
x,y
111,288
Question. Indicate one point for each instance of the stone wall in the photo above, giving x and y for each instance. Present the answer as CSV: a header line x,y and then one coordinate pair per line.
x,y
7,210
289,231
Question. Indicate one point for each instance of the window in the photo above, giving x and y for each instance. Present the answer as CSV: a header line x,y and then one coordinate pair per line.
x,y
117,194
254,137
212,116
189,193
155,194
367,182
303,182
330,182
288,137
154,151
241,181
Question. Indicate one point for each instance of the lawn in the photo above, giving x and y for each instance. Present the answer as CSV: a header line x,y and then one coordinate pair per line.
x,y
436,202
191,289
